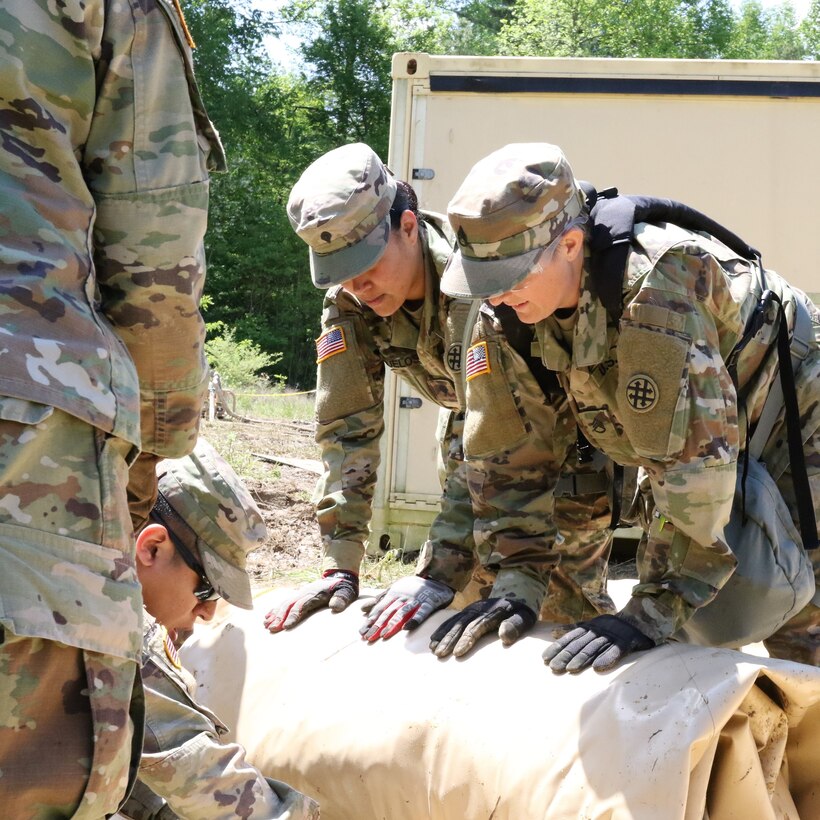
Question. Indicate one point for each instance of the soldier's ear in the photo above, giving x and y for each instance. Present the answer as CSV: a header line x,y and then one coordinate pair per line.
x,y
149,541
409,225
573,242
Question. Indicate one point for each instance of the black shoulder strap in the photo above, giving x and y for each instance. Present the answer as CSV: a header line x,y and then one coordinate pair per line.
x,y
613,218
520,336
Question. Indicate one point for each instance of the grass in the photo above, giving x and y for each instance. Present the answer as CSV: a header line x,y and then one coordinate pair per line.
x,y
381,572
273,404
235,450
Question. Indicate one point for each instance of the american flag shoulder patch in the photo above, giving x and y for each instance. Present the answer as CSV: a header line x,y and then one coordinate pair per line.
x,y
171,652
478,360
330,343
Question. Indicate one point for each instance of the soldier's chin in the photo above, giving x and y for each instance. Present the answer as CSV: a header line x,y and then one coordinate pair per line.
x,y
179,636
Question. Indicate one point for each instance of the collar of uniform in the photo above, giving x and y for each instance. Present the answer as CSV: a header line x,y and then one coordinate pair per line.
x,y
590,344
404,331
552,352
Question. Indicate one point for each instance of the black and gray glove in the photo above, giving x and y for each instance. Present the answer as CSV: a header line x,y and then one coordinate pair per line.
x,y
337,590
457,635
404,605
601,643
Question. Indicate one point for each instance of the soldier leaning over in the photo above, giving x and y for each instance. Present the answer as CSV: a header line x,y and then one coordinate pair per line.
x,y
191,553
668,388
384,257
104,185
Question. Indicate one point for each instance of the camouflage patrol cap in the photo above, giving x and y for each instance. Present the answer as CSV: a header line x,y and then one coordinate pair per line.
x,y
341,207
218,515
512,205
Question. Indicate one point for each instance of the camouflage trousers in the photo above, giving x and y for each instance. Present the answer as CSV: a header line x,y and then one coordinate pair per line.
x,y
453,524
67,739
578,584
71,717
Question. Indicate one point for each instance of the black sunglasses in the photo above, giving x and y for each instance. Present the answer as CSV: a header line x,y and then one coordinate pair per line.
x,y
163,510
205,590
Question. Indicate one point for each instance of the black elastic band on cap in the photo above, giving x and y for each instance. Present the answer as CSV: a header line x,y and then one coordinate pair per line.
x,y
166,515
163,513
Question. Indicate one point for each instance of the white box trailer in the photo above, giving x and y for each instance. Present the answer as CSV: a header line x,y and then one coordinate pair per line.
x,y
737,140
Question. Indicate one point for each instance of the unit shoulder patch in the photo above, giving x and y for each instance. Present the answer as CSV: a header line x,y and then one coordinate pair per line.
x,y
642,393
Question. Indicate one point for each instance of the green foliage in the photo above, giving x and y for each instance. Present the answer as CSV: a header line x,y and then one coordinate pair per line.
x,y
275,122
349,51
613,28
276,404
258,277
810,31
239,363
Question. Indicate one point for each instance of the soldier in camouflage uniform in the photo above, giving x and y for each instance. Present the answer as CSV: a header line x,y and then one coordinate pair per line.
x,y
102,265
191,553
382,259
653,391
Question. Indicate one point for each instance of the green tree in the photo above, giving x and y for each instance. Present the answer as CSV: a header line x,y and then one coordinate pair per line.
x,y
348,51
810,29
258,279
614,28
785,41
240,364
761,34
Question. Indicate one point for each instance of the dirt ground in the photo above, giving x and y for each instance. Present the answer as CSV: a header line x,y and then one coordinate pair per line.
x,y
291,554
292,551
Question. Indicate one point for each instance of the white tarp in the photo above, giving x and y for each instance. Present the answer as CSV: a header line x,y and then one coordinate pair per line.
x,y
389,732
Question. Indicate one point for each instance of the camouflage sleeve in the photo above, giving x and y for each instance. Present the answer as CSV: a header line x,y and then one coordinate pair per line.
x,y
146,159
349,424
514,450
686,434
448,555
185,763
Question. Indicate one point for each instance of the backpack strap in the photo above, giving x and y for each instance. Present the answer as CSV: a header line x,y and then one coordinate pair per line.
x,y
520,336
783,393
613,218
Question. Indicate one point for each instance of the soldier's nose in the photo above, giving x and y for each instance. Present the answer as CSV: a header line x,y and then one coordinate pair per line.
x,y
358,284
205,610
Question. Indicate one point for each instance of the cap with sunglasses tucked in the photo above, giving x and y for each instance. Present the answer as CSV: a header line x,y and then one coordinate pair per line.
x,y
219,516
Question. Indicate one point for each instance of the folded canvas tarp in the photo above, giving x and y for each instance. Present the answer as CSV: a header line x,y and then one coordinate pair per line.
x,y
389,732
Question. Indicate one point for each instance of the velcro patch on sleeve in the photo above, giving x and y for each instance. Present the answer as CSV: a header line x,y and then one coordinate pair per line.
x,y
652,387
478,361
330,343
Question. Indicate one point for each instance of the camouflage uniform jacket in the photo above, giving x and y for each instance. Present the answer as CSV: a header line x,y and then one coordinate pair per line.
x,y
186,770
516,441
104,180
655,391
422,346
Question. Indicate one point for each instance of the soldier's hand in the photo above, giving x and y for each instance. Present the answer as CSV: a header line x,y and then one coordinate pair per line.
x,y
458,635
404,605
601,643
337,590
